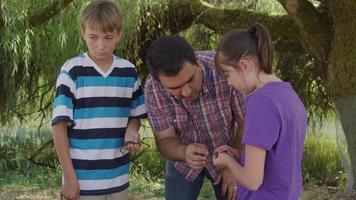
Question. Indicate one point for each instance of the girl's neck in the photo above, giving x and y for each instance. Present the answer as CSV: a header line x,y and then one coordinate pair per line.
x,y
263,78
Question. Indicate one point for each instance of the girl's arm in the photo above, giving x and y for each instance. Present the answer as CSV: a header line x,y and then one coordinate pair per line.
x,y
251,174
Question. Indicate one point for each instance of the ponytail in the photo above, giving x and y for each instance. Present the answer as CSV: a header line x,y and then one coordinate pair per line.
x,y
254,42
265,49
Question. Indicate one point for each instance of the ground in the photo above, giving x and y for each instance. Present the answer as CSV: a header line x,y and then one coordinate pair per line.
x,y
314,193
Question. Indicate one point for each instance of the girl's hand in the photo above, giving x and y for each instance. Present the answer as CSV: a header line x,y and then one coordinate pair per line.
x,y
229,150
220,159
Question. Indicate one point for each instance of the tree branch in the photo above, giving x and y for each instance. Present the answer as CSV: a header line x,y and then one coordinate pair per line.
x,y
315,27
48,12
43,15
223,20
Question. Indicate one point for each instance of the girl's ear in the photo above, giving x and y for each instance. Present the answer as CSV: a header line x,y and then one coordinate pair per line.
x,y
244,65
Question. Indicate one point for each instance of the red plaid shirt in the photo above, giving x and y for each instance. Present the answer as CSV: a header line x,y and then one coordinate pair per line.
x,y
209,120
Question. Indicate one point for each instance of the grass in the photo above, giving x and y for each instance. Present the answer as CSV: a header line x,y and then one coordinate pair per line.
x,y
20,178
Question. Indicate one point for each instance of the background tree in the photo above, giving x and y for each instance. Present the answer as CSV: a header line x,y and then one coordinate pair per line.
x,y
315,42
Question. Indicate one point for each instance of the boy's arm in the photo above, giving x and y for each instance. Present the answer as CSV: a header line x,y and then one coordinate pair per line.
x,y
132,135
70,187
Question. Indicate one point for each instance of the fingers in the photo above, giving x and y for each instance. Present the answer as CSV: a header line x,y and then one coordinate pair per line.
x,y
133,147
63,197
228,184
196,155
218,179
222,148
232,192
200,149
231,151
223,188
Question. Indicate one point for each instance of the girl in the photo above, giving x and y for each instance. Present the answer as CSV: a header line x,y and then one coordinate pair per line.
x,y
275,121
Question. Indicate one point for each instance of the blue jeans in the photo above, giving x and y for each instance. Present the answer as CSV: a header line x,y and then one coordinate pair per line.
x,y
177,188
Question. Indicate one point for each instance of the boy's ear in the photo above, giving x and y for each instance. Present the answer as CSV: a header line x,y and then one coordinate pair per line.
x,y
82,32
120,33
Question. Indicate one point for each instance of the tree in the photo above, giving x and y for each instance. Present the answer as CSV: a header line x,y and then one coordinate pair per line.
x,y
322,31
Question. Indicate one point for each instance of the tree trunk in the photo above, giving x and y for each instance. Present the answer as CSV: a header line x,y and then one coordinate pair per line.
x,y
342,71
346,108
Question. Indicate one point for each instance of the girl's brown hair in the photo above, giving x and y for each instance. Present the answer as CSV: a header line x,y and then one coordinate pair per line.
x,y
103,15
254,42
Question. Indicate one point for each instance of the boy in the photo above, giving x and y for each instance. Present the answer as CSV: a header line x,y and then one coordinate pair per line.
x,y
97,109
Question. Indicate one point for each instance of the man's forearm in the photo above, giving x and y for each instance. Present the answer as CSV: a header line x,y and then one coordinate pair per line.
x,y
172,149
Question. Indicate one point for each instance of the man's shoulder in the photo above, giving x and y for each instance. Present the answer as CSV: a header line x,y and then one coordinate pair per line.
x,y
152,84
205,54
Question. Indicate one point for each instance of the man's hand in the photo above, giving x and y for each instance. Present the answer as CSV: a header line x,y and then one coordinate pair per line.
x,y
132,141
70,189
228,185
196,155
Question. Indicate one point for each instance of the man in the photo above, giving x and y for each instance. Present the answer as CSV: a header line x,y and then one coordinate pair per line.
x,y
192,111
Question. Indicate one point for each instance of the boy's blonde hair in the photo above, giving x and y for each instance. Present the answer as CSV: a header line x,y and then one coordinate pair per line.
x,y
102,15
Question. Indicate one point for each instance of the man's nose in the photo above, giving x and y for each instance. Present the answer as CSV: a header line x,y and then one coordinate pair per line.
x,y
186,91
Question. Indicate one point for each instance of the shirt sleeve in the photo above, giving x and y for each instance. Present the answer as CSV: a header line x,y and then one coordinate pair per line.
x,y
159,119
64,100
138,108
238,104
262,123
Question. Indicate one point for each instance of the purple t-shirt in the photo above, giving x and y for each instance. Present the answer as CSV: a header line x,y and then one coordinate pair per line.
x,y
276,121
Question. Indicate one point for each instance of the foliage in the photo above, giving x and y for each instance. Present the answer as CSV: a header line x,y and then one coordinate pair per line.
x,y
19,143
321,163
32,55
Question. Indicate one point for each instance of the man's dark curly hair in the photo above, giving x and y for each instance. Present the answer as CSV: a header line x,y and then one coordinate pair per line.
x,y
167,54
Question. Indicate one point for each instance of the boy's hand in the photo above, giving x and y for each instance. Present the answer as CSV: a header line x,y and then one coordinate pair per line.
x,y
70,189
132,141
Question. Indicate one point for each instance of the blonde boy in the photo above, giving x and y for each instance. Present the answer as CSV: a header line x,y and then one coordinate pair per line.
x,y
97,109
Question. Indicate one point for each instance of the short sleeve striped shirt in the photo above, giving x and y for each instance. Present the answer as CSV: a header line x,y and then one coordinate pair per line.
x,y
209,120
97,107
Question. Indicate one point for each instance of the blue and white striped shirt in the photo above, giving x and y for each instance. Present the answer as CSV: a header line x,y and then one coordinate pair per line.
x,y
97,106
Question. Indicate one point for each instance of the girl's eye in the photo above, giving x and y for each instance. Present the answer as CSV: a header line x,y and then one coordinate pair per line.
x,y
226,74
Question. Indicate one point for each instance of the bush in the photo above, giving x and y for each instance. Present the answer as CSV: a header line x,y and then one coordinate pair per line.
x,y
321,163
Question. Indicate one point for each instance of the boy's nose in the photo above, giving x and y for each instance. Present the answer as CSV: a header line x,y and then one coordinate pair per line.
x,y
100,45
